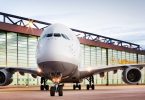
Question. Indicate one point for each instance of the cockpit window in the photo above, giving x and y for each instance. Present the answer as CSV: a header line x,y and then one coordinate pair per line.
x,y
49,35
65,36
57,35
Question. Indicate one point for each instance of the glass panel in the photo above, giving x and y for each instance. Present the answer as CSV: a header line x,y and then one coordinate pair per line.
x,y
12,49
93,56
65,36
103,60
2,49
32,44
87,56
82,56
49,35
22,57
57,35
99,56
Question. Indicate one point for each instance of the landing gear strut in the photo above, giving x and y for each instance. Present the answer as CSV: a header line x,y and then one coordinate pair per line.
x,y
43,84
91,83
77,85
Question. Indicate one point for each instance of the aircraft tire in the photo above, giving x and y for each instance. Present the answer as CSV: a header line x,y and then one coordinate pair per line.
x,y
47,87
74,87
79,87
42,87
60,91
52,91
93,87
88,86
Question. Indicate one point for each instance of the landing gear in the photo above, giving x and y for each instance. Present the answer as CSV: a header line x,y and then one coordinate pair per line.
x,y
91,83
56,89
77,85
43,84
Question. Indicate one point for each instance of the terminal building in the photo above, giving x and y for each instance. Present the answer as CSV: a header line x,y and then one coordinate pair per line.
x,y
18,42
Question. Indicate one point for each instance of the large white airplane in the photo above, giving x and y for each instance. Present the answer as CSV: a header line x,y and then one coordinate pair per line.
x,y
58,61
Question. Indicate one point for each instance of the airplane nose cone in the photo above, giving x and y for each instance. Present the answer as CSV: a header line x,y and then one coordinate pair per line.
x,y
53,50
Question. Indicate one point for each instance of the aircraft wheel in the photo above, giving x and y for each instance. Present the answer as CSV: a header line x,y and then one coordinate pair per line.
x,y
60,90
42,87
74,87
93,87
47,87
52,91
79,87
88,86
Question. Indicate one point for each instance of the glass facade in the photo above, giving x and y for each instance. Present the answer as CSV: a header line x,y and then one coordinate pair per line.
x,y
92,56
19,50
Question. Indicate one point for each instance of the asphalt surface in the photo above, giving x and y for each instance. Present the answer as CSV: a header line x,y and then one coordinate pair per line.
x,y
100,93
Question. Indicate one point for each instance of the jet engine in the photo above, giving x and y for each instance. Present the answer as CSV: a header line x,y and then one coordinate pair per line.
x,y
131,75
5,77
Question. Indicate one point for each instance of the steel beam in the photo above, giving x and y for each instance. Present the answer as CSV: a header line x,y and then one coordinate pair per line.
x,y
20,25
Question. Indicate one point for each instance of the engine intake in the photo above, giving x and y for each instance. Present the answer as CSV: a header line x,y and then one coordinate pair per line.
x,y
5,77
131,75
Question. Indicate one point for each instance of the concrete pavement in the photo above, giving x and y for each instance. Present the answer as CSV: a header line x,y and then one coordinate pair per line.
x,y
100,93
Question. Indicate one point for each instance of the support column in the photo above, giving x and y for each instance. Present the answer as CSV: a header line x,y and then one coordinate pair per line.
x,y
137,58
107,81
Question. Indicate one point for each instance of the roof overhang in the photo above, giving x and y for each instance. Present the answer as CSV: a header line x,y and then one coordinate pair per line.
x,y
37,32
20,29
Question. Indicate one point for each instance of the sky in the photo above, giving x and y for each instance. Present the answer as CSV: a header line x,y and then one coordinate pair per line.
x,y
120,19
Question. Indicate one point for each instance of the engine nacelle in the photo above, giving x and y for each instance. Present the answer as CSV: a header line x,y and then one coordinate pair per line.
x,y
5,77
131,75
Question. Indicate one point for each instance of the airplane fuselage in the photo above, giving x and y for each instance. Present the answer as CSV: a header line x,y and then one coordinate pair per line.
x,y
58,51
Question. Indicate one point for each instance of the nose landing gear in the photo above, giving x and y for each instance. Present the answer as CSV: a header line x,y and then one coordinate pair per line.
x,y
57,88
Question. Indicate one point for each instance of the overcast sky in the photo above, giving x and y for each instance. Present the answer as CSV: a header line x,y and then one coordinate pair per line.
x,y
121,19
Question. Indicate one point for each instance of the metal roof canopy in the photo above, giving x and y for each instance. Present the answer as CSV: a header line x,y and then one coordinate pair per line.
x,y
22,21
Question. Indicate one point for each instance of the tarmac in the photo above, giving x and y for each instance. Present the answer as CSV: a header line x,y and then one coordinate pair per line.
x,y
131,92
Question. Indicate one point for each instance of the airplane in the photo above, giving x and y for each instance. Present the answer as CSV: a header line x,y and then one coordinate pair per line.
x,y
58,52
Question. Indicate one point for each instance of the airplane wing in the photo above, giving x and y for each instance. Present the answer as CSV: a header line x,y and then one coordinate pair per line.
x,y
101,71
33,71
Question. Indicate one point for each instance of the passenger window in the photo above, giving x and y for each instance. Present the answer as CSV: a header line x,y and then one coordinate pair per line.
x,y
49,35
57,35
